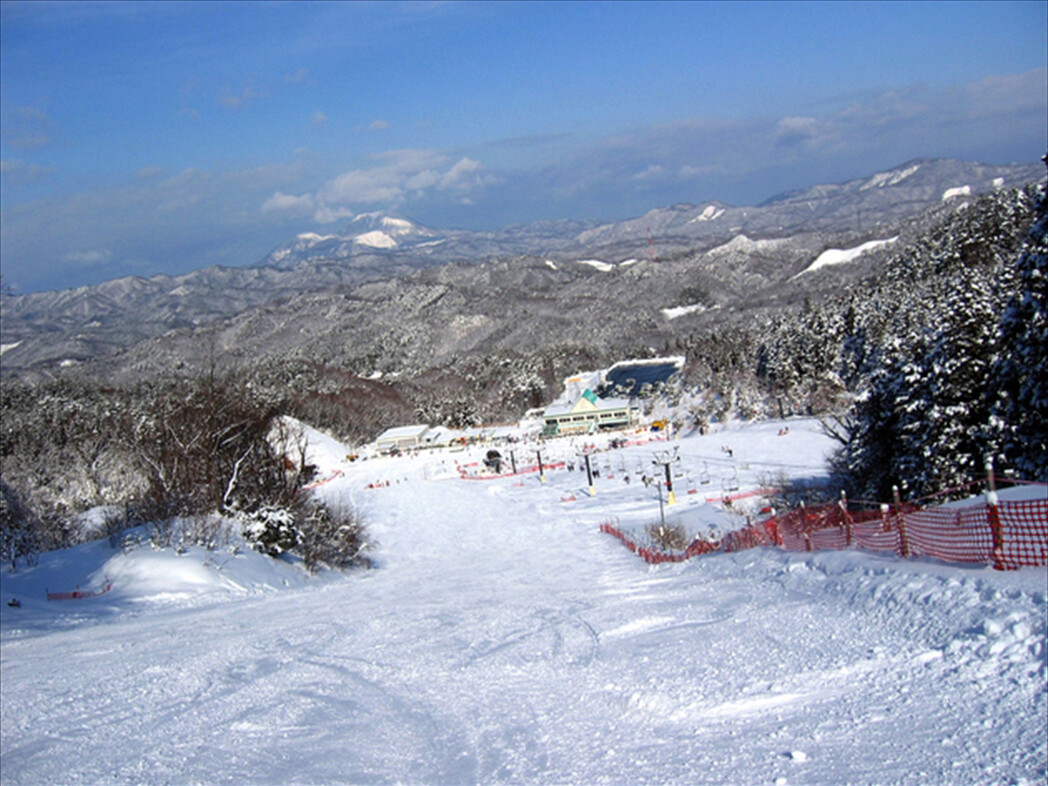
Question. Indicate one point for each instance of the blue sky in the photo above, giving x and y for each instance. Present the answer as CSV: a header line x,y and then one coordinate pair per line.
x,y
144,138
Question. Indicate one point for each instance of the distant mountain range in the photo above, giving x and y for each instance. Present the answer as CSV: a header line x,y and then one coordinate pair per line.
x,y
373,272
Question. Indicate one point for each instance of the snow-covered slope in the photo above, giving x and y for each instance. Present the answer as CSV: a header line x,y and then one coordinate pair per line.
x,y
840,256
503,638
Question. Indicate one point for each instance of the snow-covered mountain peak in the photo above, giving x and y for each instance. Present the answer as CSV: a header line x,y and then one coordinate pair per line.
x,y
366,233
391,225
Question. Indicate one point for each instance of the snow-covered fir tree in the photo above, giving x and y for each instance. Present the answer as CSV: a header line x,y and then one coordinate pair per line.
x,y
1020,378
940,366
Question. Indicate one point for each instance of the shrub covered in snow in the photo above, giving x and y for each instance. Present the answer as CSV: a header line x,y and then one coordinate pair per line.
x,y
335,538
318,534
270,529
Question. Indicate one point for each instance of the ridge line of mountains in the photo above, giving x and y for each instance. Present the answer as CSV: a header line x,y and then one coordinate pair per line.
x,y
363,295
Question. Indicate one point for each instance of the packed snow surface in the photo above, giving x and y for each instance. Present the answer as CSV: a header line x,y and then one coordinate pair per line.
x,y
501,638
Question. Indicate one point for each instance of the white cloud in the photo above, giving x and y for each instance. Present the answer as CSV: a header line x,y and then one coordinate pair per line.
x,y
28,128
17,171
653,172
91,257
329,215
319,118
363,185
423,180
462,175
232,100
289,203
395,177
379,125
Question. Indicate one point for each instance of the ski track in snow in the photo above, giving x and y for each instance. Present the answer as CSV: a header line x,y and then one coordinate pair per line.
x,y
503,639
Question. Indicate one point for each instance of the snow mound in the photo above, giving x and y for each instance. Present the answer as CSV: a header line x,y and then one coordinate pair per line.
x,y
140,576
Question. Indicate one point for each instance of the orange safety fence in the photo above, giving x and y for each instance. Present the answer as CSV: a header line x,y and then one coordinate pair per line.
x,y
466,473
1007,535
78,593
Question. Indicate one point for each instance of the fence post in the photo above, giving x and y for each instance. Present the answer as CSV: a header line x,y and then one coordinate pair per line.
x,y
846,518
904,543
994,516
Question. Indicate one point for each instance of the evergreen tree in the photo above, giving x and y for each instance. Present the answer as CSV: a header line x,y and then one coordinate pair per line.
x,y
943,442
1020,378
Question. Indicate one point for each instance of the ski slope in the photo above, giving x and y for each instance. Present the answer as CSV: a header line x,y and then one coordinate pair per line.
x,y
501,638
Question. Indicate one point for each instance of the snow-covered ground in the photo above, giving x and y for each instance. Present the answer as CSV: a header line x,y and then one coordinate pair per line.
x,y
501,638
